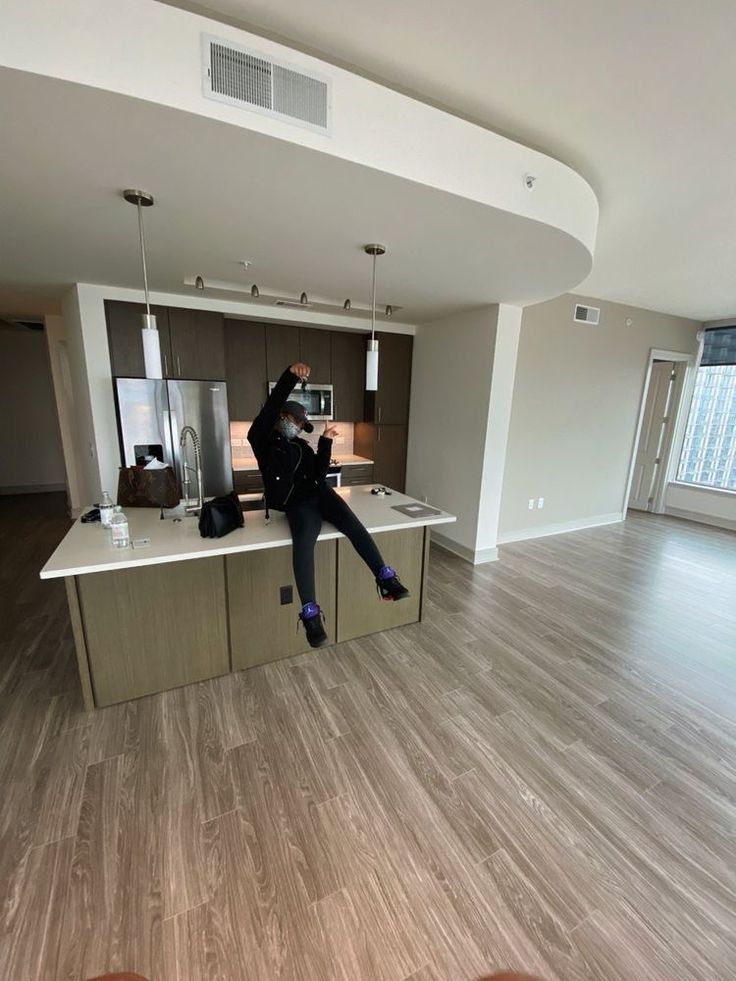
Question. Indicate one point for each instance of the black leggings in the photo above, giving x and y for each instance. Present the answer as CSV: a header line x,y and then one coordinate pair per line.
x,y
305,520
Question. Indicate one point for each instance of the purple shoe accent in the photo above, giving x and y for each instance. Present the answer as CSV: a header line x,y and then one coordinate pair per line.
x,y
386,573
310,610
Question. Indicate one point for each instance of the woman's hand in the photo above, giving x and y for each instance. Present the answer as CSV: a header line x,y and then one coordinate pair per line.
x,y
330,431
302,371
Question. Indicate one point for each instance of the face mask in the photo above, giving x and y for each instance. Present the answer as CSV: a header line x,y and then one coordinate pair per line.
x,y
288,428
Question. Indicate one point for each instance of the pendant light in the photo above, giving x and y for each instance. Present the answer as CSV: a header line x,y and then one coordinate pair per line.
x,y
151,342
371,354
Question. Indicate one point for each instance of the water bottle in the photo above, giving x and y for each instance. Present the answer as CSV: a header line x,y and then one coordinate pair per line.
x,y
106,510
119,528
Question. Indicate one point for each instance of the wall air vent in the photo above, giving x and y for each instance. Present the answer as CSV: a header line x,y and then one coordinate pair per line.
x,y
587,315
248,79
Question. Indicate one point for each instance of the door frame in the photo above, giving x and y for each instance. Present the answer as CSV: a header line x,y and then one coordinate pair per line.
x,y
665,474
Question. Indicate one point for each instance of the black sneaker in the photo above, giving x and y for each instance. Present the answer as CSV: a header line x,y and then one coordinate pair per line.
x,y
312,617
388,585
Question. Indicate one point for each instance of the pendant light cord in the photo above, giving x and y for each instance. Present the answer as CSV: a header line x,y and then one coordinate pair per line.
x,y
143,258
373,307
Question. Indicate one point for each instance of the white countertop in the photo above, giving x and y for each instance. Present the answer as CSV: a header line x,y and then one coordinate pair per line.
x,y
86,548
344,460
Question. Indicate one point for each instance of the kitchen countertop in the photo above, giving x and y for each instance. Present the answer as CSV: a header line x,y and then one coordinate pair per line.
x,y
346,460
86,548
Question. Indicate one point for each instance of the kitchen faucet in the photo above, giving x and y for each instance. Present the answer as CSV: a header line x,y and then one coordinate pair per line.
x,y
185,468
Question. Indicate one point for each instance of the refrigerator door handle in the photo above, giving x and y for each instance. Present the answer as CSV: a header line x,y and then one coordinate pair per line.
x,y
177,449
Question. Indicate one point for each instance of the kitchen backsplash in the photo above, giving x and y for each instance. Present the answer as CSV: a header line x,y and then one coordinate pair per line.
x,y
243,454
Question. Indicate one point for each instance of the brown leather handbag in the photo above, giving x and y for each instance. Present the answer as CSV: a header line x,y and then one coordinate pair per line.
x,y
139,488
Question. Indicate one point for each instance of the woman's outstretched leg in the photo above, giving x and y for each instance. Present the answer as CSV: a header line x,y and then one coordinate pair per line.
x,y
336,511
305,522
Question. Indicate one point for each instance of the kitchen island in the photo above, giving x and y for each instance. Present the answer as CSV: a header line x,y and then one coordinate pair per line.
x,y
185,608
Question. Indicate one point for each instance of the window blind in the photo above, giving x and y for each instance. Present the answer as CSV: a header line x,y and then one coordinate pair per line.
x,y
719,346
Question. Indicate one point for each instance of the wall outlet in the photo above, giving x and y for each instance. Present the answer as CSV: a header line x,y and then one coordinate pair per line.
x,y
540,503
531,503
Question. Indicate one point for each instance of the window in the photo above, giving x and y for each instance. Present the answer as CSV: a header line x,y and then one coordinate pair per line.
x,y
709,450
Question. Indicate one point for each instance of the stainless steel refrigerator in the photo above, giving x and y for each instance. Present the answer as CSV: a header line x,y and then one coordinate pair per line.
x,y
151,414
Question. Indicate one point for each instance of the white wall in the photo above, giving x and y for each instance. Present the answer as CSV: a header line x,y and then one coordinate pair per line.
x,y
87,467
31,457
497,430
462,375
64,398
576,402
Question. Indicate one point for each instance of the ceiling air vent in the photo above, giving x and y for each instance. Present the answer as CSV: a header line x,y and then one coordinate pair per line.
x,y
587,315
245,78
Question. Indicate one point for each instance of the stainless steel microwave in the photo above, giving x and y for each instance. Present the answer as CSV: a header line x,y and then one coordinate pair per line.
x,y
316,399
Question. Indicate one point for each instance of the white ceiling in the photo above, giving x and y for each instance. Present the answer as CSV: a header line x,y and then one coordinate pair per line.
x,y
636,95
224,193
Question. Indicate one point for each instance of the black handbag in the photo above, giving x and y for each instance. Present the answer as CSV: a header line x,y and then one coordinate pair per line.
x,y
220,516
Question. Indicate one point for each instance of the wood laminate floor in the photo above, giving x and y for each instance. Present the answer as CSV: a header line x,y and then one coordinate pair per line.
x,y
541,776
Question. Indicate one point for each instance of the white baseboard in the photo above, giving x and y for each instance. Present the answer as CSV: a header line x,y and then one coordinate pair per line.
x,y
483,555
524,534
478,557
703,519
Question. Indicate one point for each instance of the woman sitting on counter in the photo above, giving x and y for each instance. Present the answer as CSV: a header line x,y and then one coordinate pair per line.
x,y
294,482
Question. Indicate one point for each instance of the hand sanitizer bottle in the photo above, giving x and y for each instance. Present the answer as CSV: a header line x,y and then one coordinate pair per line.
x,y
106,507
119,528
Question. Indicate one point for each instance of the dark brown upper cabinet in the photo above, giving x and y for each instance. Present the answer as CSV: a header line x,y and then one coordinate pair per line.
x,y
282,349
197,344
124,338
389,456
348,376
390,404
315,349
245,357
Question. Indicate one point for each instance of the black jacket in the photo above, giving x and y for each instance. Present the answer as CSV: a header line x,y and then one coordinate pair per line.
x,y
290,468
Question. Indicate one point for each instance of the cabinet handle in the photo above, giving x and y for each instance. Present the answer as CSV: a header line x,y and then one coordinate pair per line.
x,y
166,367
379,435
178,365
380,410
